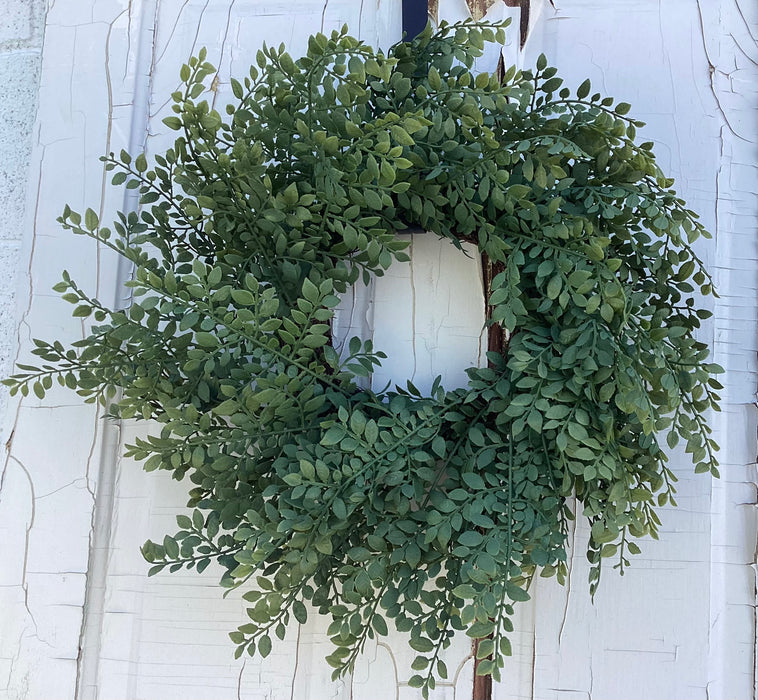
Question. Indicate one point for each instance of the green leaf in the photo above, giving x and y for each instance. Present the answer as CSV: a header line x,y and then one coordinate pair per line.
x,y
470,538
401,136
206,340
82,311
518,191
473,481
421,644
373,200
371,432
310,291
264,645
226,408
357,422
307,469
379,625
173,123
299,612
243,297
333,436
515,593
416,681
434,79
171,547
554,287
91,220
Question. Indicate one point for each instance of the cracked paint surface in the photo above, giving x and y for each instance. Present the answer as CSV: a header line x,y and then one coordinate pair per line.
x,y
681,622
426,315
79,618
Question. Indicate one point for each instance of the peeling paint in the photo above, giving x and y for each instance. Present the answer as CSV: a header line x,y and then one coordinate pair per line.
x,y
700,119
682,621
479,8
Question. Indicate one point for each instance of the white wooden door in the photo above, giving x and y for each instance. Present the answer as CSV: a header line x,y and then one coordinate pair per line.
x,y
80,620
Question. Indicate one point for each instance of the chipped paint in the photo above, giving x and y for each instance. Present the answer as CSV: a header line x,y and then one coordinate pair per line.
x,y
479,8
80,619
488,10
680,623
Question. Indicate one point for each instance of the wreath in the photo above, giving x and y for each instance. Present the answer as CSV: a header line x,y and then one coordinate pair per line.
x,y
317,495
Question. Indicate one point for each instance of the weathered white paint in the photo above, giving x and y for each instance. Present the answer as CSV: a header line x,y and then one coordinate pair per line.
x,y
426,315
681,623
78,617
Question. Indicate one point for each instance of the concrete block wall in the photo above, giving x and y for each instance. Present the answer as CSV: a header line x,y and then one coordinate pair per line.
x,y
21,36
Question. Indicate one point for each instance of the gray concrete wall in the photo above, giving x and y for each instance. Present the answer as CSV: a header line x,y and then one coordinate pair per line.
x,y
21,37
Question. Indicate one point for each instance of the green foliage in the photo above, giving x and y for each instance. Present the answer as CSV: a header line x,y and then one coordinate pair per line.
x,y
430,513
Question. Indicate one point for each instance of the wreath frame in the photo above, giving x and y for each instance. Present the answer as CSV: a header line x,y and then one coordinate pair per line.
x,y
434,512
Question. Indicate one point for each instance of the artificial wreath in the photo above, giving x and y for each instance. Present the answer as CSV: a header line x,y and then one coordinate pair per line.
x,y
433,512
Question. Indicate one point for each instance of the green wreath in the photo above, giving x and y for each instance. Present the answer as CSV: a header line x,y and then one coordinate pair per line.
x,y
433,512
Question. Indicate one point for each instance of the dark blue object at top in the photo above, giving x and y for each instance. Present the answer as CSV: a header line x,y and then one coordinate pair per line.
x,y
415,17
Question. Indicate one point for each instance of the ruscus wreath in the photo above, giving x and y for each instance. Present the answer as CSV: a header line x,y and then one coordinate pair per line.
x,y
317,495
